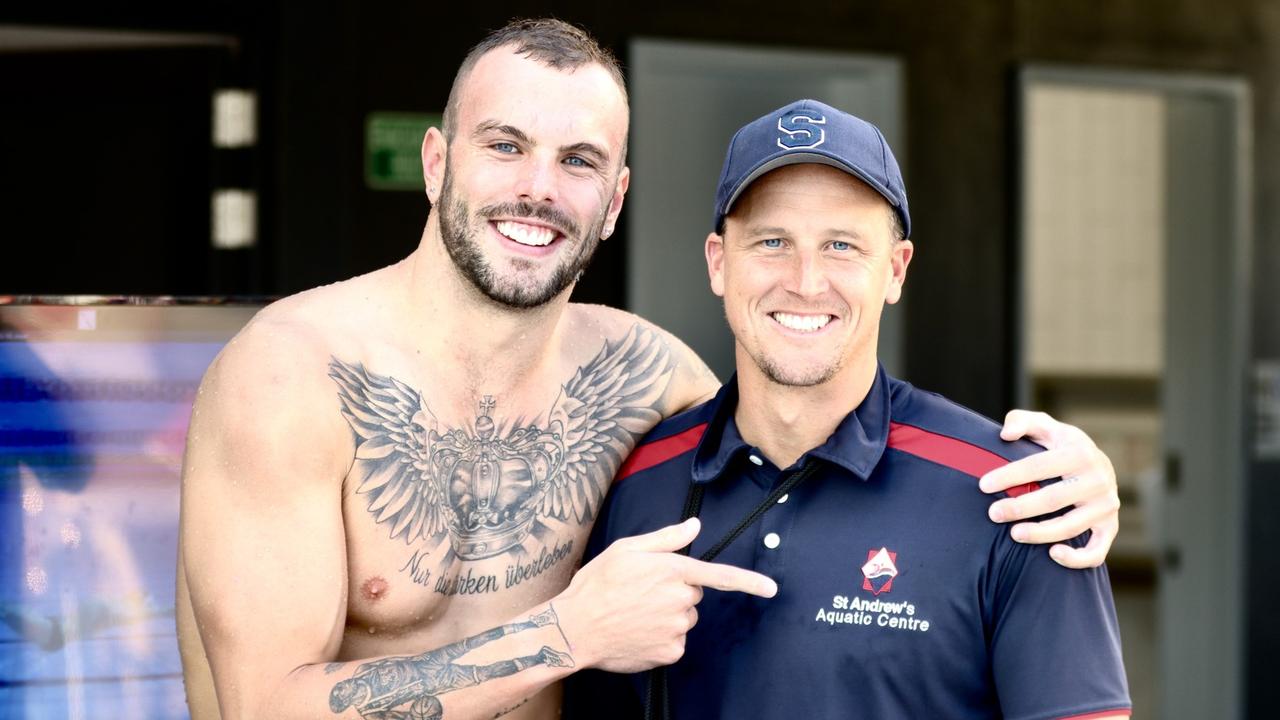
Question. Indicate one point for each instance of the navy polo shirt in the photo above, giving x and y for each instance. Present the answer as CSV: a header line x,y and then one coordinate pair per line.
x,y
897,596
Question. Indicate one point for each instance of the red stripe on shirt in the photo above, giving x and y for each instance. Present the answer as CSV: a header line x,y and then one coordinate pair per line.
x,y
1124,712
956,454
660,451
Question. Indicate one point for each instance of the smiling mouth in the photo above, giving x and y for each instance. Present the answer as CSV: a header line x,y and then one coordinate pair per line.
x,y
801,323
526,234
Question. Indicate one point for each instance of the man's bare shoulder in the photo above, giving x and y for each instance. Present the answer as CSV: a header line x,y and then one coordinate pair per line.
x,y
604,315
611,322
302,331
272,378
692,382
278,346
334,308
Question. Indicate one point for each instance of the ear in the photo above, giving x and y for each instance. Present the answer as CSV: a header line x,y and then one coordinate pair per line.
x,y
899,258
435,156
615,203
714,250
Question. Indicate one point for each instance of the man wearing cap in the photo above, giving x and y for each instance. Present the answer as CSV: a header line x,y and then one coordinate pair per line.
x,y
856,492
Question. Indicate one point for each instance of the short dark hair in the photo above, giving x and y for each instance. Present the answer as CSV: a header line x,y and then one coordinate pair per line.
x,y
553,42
896,233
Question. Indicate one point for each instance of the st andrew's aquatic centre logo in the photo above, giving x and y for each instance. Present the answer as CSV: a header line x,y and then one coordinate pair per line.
x,y
879,571
856,610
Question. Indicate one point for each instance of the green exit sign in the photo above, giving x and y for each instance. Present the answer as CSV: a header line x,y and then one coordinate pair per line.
x,y
393,149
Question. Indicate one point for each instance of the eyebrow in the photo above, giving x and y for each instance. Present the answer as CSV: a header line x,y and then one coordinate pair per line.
x,y
599,154
776,231
586,148
495,127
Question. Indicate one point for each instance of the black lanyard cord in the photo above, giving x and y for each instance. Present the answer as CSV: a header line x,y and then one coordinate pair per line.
x,y
797,477
657,705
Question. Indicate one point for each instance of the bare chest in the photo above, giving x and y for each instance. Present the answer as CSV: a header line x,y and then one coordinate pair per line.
x,y
456,523
425,590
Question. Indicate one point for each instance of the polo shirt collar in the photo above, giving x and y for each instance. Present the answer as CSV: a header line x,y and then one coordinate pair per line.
x,y
856,445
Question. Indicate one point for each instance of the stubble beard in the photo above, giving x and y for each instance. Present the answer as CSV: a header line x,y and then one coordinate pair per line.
x,y
459,229
780,374
807,377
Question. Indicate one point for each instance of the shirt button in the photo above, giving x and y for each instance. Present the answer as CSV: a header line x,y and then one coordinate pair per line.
x,y
755,459
783,499
772,540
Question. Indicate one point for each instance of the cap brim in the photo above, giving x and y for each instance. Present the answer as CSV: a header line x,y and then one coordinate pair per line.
x,y
799,158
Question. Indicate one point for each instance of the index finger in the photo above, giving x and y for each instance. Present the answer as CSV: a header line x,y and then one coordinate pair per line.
x,y
726,577
667,539
1033,468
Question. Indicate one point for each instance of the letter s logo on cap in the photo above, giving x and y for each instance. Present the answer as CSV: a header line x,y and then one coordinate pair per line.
x,y
801,129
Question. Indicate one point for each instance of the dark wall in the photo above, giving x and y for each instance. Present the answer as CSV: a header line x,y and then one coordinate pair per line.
x,y
322,66
105,163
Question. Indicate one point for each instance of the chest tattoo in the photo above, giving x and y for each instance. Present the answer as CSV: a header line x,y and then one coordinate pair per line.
x,y
488,485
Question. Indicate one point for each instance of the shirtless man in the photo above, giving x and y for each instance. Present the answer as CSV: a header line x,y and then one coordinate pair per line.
x,y
389,481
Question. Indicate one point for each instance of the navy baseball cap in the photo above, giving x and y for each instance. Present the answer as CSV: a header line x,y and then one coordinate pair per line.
x,y
808,131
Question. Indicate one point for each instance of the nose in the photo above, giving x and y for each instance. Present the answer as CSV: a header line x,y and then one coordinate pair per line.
x,y
538,180
809,277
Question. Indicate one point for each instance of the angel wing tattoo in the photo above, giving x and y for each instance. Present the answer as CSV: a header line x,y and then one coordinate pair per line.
x,y
391,424
486,484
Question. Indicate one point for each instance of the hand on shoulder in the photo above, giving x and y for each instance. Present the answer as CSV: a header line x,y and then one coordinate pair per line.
x,y
1088,487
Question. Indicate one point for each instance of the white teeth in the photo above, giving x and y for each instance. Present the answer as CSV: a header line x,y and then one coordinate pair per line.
x,y
803,323
526,234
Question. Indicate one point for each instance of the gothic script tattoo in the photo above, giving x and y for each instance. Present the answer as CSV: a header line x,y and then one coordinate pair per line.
x,y
377,688
488,485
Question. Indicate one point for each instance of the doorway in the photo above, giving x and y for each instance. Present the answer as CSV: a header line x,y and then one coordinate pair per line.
x,y
1135,229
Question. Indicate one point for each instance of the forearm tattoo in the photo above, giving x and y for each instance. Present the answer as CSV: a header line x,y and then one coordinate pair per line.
x,y
489,485
408,688
511,709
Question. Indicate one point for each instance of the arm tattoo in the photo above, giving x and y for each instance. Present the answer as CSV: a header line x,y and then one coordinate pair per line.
x,y
333,667
511,709
377,688
487,486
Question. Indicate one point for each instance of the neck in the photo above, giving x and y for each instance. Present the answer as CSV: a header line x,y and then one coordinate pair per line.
x,y
786,421
481,343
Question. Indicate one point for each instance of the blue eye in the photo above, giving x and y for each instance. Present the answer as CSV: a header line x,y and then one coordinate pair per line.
x,y
505,147
772,242
577,161
841,246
